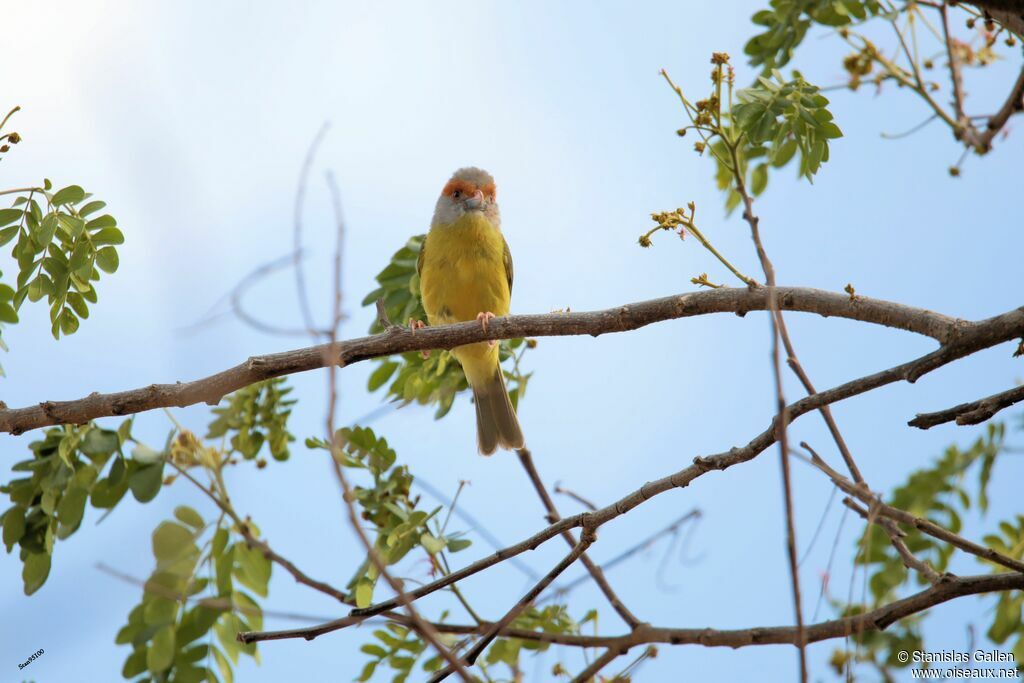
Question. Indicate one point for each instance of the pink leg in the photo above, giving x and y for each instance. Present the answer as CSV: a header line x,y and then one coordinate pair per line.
x,y
485,317
418,325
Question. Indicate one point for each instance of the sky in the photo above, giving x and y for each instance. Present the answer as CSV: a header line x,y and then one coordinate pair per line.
x,y
192,120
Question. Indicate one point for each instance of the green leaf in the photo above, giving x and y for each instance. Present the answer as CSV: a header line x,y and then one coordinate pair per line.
x,y
91,207
224,666
381,375
831,130
108,236
107,260
72,506
196,623
8,314
8,234
171,541
35,571
161,650
68,322
253,568
145,481
189,516
364,593
759,179
72,194
104,221
368,671
431,543
135,664
8,216
457,544
14,526
160,611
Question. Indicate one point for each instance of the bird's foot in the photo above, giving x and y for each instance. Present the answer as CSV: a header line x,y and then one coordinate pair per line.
x,y
485,317
414,325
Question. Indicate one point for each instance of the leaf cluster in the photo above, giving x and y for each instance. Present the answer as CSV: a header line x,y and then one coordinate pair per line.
x,y
254,416
548,619
785,24
398,648
386,505
179,608
942,493
65,472
60,252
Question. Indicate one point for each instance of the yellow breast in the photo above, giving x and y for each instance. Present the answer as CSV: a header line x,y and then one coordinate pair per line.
x,y
463,271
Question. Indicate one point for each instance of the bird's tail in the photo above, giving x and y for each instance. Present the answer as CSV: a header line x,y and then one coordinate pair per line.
x,y
496,421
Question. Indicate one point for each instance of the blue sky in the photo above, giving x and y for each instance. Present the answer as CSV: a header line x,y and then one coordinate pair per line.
x,y
191,120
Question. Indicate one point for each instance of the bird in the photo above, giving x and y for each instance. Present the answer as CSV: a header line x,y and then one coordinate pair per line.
x,y
465,273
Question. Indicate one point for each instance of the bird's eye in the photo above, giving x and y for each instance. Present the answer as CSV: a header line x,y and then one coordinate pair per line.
x,y
456,194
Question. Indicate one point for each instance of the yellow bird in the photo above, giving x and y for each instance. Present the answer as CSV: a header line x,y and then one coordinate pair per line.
x,y
465,271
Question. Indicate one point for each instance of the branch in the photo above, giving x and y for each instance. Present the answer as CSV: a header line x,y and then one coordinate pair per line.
x,y
529,544
910,561
1013,104
877,507
586,539
647,542
620,319
955,72
877,619
606,658
971,413
526,459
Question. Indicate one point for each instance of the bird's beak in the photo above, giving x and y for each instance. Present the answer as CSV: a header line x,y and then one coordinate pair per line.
x,y
476,202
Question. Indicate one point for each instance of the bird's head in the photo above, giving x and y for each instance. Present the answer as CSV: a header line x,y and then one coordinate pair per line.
x,y
469,190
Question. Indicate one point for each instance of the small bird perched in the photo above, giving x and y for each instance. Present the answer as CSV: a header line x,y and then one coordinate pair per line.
x,y
465,271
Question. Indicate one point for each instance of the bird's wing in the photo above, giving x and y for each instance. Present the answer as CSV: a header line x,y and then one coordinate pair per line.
x,y
508,264
419,259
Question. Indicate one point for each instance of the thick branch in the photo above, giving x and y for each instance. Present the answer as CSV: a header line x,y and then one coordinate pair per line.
x,y
1009,13
620,319
877,619
971,413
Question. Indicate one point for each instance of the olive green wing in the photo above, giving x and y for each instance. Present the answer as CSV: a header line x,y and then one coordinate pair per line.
x,y
419,259
508,265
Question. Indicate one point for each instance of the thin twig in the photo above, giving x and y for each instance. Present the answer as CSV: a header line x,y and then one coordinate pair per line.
x,y
575,496
782,417
971,413
955,73
418,623
300,197
647,542
606,658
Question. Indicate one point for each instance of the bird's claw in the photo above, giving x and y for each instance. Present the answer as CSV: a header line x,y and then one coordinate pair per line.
x,y
414,325
485,317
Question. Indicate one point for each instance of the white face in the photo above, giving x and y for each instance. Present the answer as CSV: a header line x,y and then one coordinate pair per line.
x,y
469,190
